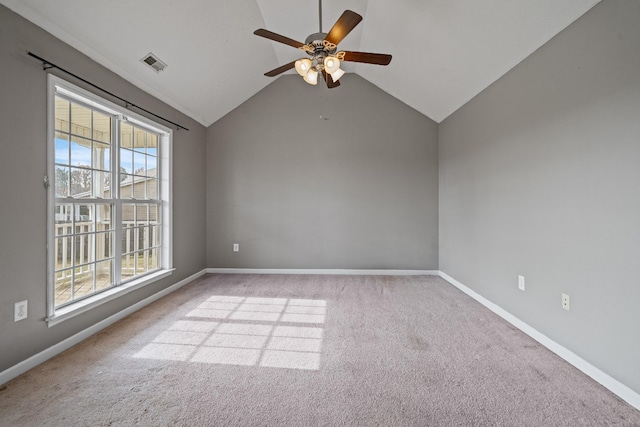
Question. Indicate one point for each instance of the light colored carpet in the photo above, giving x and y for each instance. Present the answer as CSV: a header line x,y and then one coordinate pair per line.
x,y
284,350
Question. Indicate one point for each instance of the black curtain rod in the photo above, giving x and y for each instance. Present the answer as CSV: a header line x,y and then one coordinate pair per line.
x,y
127,103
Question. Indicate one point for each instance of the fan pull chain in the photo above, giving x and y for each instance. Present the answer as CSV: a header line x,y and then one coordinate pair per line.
x,y
323,106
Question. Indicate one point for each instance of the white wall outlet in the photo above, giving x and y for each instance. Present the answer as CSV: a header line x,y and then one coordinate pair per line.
x,y
20,310
521,283
565,301
236,247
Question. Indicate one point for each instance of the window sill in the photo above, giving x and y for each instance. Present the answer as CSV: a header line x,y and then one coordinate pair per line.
x,y
85,305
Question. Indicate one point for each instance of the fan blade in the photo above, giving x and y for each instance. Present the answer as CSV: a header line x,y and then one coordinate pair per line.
x,y
367,58
280,69
330,83
277,37
343,26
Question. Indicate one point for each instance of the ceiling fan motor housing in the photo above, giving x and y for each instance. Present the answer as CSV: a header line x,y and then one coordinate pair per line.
x,y
315,38
320,49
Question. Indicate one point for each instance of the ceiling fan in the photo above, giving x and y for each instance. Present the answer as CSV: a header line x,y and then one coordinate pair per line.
x,y
322,49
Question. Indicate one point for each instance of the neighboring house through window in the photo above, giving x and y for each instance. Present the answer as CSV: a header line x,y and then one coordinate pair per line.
x,y
109,200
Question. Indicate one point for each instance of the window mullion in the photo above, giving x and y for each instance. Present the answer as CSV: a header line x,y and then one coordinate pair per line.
x,y
115,190
73,251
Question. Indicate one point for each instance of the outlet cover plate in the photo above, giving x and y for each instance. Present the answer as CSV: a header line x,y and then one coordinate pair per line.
x,y
565,302
20,310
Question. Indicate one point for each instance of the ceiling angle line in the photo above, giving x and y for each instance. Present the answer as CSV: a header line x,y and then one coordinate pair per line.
x,y
48,65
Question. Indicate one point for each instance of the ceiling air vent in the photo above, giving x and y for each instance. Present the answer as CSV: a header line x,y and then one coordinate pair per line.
x,y
154,62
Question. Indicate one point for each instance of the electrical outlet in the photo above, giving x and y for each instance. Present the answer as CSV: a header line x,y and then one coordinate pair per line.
x,y
20,310
521,283
565,302
236,247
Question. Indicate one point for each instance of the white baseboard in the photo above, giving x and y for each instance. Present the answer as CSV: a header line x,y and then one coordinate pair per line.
x,y
344,272
22,367
622,391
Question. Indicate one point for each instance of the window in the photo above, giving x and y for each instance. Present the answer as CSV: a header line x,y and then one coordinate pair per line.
x,y
109,221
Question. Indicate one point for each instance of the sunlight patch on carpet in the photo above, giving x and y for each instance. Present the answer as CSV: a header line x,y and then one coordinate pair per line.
x,y
217,332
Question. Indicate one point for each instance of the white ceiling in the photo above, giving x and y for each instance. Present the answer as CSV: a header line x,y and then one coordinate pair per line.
x,y
444,51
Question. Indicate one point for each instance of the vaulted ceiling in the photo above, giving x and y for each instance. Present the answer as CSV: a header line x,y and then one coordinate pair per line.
x,y
444,51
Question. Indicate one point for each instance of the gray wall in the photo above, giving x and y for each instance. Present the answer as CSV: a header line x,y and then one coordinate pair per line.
x,y
357,190
540,176
23,125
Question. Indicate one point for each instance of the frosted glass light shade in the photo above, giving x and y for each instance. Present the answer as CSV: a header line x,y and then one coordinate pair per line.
x,y
303,66
331,64
337,74
311,77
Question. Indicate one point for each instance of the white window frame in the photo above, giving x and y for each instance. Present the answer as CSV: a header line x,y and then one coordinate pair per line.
x,y
57,85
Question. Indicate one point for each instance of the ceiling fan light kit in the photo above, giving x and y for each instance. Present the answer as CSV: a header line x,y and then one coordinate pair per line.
x,y
337,74
321,47
303,66
331,64
311,77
